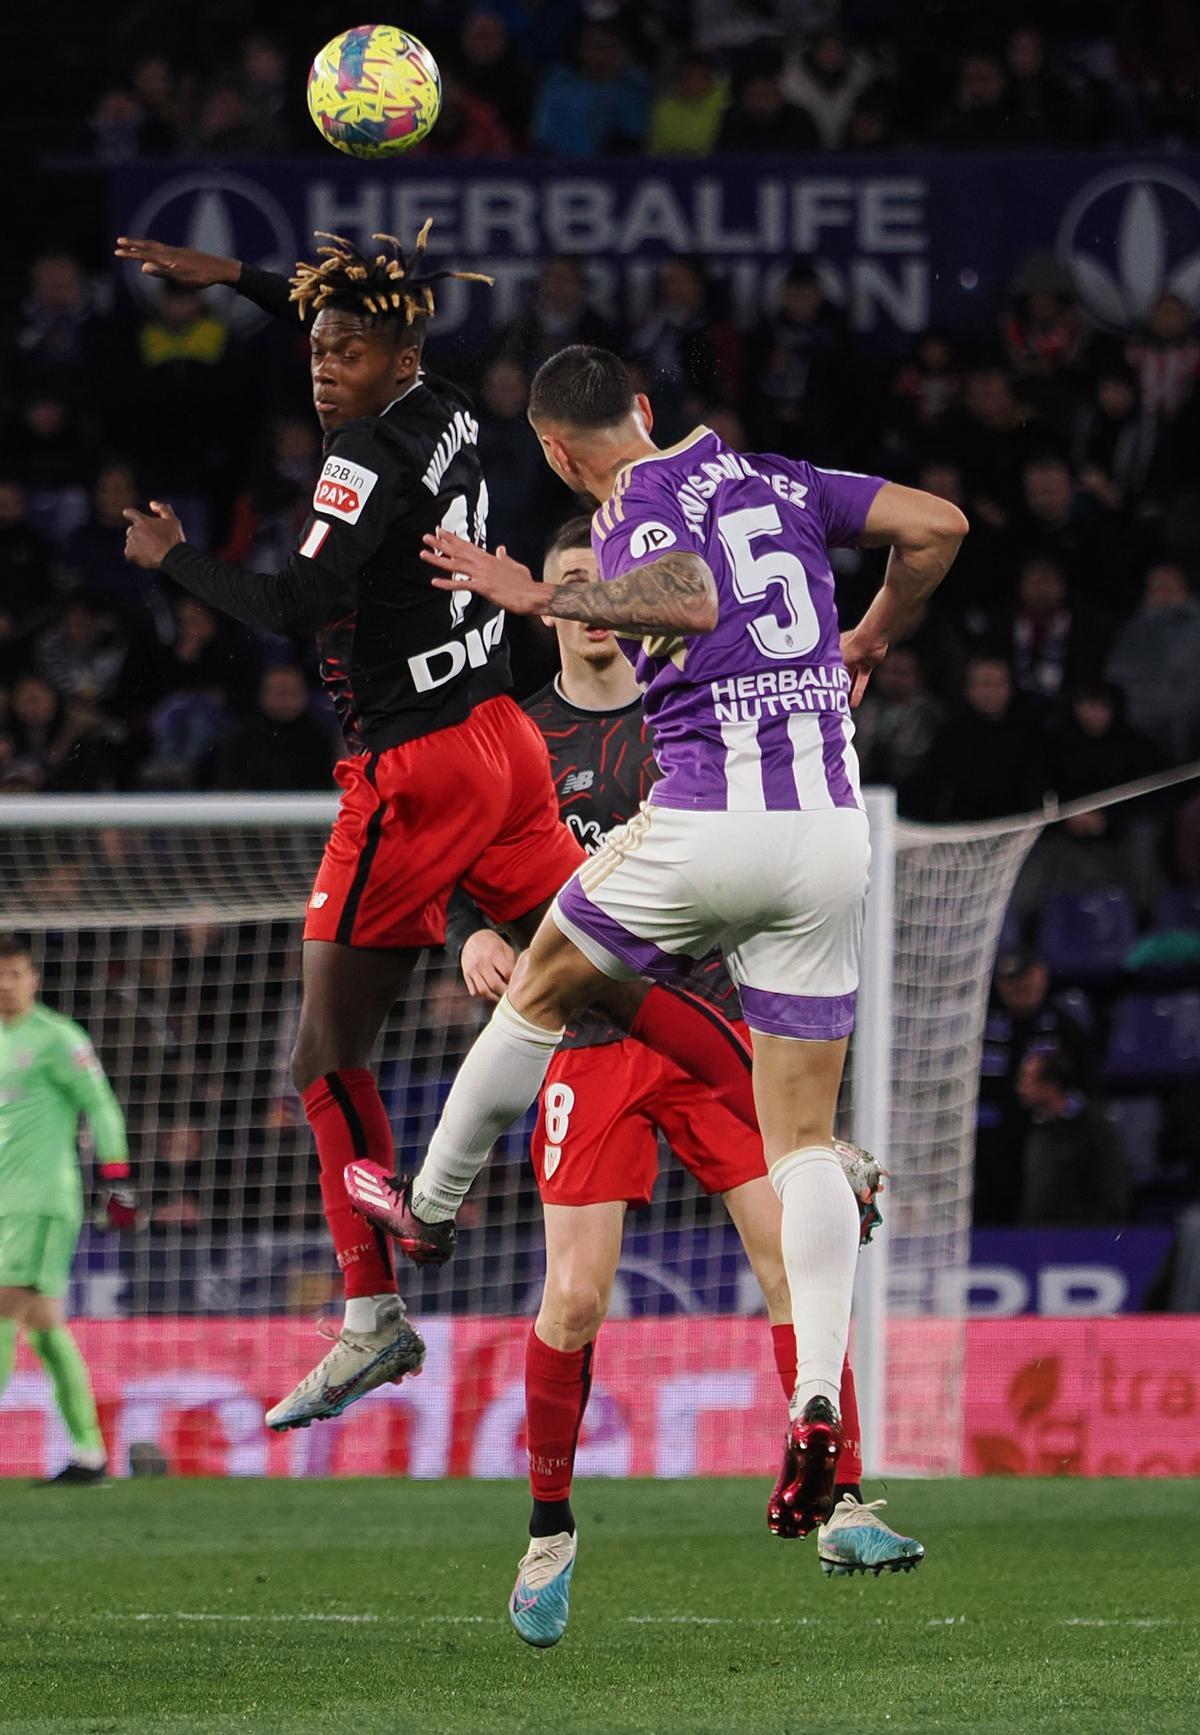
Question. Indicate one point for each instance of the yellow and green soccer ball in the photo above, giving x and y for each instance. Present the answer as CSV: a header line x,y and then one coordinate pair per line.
x,y
374,91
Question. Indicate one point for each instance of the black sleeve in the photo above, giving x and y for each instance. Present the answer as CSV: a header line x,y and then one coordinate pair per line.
x,y
463,918
268,290
298,599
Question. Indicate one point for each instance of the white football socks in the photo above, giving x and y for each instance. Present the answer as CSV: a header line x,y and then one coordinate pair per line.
x,y
820,1251
495,1084
362,1311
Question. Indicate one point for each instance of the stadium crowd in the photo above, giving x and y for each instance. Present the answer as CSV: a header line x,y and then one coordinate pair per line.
x,y
1060,656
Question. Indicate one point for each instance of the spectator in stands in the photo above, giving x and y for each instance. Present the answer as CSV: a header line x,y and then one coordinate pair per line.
x,y
53,748
117,126
1165,355
491,70
522,490
263,83
991,438
164,100
94,555
467,126
897,723
1088,539
50,453
991,758
1023,1020
268,515
183,353
1048,641
83,654
559,314
978,118
25,555
281,745
797,357
596,104
58,335
1115,438
686,119
1043,104
1155,661
1096,749
229,124
687,355
1073,1172
760,119
872,122
825,80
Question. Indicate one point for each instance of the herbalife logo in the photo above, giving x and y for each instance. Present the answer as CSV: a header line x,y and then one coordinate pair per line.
x,y
1128,237
216,212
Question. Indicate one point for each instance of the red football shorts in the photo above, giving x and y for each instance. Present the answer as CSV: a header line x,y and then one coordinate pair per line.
x,y
473,806
599,1117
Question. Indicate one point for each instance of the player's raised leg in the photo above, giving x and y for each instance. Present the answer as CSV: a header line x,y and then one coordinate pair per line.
x,y
583,1246
348,993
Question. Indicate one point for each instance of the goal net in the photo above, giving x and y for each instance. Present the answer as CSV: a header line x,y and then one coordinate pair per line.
x,y
169,928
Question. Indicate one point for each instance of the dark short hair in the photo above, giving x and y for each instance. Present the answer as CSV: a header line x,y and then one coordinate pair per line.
x,y
12,946
572,533
582,386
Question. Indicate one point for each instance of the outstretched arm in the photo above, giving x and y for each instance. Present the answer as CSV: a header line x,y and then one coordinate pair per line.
x,y
298,599
192,269
674,594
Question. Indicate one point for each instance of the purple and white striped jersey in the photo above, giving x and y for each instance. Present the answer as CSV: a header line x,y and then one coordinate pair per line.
x,y
755,715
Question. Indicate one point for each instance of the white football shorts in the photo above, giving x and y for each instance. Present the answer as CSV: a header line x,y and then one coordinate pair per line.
x,y
782,894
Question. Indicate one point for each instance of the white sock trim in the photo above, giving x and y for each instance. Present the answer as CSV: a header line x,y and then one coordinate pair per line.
x,y
362,1311
506,1013
784,1167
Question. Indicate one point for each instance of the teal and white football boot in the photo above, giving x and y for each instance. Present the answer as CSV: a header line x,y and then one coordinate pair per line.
x,y
855,1539
541,1597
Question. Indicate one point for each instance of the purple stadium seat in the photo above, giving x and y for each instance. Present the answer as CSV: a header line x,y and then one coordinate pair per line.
x,y
1155,1036
1177,910
1086,937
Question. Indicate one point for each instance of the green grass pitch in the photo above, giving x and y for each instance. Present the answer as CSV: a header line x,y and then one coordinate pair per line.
x,y
380,1606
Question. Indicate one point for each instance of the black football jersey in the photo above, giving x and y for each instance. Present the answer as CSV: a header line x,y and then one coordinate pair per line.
x,y
603,767
399,658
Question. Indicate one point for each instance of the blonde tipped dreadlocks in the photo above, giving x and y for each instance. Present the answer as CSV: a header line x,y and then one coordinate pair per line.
x,y
385,287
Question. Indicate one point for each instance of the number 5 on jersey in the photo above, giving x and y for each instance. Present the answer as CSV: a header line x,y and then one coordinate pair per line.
x,y
754,574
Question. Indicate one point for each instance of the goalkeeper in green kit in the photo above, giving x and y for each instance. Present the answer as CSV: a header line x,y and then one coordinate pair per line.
x,y
49,1076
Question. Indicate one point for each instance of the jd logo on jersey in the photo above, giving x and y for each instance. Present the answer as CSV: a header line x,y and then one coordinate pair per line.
x,y
343,490
650,539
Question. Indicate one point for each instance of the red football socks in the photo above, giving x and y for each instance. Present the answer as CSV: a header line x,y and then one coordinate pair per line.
x,y
557,1384
850,1469
348,1120
697,1038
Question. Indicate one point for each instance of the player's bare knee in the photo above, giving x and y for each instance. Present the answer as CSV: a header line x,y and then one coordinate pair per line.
x,y
577,1309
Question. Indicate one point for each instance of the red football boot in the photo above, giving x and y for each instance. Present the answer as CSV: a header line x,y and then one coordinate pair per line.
x,y
802,1498
386,1201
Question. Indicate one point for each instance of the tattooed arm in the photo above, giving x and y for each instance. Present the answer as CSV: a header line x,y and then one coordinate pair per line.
x,y
675,594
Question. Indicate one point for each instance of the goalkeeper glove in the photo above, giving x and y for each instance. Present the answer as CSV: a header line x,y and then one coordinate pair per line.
x,y
120,1200
121,1207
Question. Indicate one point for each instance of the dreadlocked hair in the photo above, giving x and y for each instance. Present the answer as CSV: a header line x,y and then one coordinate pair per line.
x,y
389,287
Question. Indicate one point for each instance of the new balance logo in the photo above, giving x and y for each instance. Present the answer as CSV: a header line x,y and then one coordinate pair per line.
x,y
318,900
575,782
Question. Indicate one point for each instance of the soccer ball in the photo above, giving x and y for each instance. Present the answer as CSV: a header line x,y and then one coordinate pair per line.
x,y
374,91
